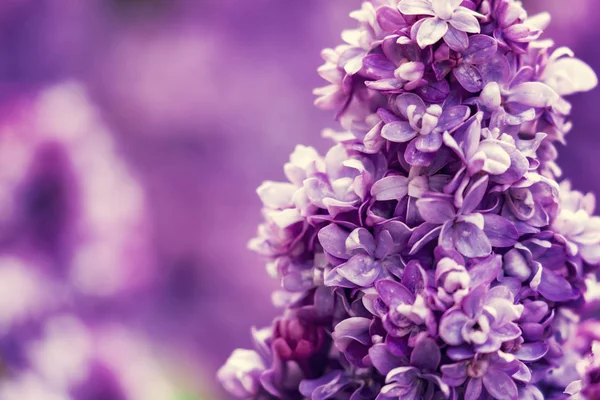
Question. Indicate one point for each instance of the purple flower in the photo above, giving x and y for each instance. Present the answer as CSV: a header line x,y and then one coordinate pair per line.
x,y
368,258
446,19
433,240
471,233
405,313
422,127
418,379
513,29
463,62
485,319
577,224
485,373
240,375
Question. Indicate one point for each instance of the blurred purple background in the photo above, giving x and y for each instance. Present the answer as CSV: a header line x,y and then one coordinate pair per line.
x,y
205,99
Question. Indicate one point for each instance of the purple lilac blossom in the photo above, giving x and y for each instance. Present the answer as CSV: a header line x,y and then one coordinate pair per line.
x,y
432,249
60,173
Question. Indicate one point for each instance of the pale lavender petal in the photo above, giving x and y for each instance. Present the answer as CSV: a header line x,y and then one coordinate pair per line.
x,y
555,288
465,21
431,31
429,143
361,270
398,131
451,325
416,7
410,99
533,94
532,351
435,211
383,360
474,388
393,187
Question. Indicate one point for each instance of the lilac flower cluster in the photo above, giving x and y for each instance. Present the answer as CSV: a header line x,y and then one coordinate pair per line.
x,y
431,253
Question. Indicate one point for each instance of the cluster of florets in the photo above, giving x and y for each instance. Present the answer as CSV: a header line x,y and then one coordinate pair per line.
x,y
431,253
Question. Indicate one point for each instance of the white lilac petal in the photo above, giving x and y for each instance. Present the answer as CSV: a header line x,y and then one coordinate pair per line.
x,y
431,31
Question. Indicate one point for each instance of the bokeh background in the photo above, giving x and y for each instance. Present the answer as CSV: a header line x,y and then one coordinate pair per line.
x,y
193,104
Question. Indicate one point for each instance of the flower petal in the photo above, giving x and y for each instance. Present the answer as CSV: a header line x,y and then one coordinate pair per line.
x,y
333,239
398,131
481,49
393,187
533,94
426,355
361,270
469,77
500,385
436,211
464,20
500,231
451,325
455,39
471,241
431,31
415,7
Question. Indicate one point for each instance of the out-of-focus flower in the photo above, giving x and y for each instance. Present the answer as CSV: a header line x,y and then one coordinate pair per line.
x,y
61,172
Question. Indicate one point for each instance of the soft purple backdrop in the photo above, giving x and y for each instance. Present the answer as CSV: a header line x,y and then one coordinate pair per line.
x,y
206,99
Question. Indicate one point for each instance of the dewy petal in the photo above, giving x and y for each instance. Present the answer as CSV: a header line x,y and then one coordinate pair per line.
x,y
481,49
333,239
500,385
465,21
431,31
361,270
394,293
471,241
451,325
469,77
416,7
533,94
398,131
500,231
435,211
452,118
